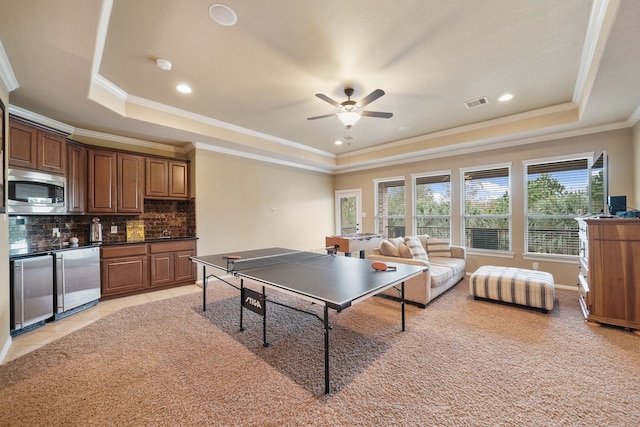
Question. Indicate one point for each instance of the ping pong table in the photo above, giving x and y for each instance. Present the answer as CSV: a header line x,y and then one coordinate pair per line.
x,y
333,282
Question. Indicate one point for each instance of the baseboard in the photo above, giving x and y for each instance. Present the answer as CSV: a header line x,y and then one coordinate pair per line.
x,y
5,349
215,278
567,287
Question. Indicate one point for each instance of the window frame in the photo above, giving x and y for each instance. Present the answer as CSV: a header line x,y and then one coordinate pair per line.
x,y
376,184
509,216
525,214
414,202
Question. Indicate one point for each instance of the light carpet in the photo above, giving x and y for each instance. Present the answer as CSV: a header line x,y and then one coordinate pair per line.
x,y
460,362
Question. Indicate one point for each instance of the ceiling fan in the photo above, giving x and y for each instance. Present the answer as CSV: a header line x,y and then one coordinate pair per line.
x,y
349,112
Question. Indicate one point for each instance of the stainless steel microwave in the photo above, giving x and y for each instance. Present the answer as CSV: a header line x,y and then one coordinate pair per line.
x,y
31,192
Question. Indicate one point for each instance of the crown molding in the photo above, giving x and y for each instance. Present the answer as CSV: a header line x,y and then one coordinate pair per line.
x,y
254,156
6,72
634,117
476,146
603,13
129,141
40,119
467,128
143,102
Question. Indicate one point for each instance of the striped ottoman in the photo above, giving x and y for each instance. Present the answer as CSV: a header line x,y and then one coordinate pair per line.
x,y
514,285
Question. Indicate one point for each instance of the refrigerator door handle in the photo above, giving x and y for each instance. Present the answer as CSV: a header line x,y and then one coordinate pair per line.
x,y
62,279
21,266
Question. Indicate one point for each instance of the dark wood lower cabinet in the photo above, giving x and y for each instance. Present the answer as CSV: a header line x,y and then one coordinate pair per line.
x,y
137,268
169,262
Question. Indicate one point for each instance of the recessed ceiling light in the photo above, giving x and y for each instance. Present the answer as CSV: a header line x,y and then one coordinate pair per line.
x,y
183,88
505,97
163,64
338,142
223,15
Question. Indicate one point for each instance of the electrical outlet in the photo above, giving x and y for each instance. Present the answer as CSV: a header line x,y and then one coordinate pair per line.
x,y
535,265
114,229
56,232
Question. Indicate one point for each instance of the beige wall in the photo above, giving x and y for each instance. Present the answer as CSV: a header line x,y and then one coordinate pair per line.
x,y
618,144
247,204
5,339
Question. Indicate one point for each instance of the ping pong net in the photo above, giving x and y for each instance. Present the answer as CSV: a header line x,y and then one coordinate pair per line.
x,y
237,263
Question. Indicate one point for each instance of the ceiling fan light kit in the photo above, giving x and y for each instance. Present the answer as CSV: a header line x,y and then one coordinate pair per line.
x,y
349,117
349,112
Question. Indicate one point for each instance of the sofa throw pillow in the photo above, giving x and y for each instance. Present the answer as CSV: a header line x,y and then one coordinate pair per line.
x,y
396,241
438,247
388,249
414,245
423,239
404,251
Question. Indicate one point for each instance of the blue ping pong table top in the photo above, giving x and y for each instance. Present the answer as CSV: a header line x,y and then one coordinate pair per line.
x,y
338,281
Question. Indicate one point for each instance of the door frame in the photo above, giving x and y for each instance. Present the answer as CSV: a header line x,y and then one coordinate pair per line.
x,y
343,194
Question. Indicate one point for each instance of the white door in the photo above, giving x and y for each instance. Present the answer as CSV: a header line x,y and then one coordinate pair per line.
x,y
348,211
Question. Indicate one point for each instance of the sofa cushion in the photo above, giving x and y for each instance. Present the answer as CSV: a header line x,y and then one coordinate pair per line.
x,y
414,245
438,247
388,249
440,275
404,251
457,265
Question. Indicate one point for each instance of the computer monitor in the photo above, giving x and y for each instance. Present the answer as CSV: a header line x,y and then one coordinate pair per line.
x,y
617,204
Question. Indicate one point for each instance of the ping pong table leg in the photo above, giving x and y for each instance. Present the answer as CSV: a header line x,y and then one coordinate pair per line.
x,y
264,322
204,288
402,296
241,302
326,349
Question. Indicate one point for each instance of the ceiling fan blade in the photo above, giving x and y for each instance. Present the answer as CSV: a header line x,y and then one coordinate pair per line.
x,y
321,117
327,99
377,114
371,97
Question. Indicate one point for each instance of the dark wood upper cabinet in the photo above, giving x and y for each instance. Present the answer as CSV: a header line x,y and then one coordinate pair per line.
x,y
178,179
76,179
101,182
33,148
166,179
157,178
115,182
130,183
52,152
22,145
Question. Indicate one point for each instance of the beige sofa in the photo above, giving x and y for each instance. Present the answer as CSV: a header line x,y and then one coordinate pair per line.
x,y
446,266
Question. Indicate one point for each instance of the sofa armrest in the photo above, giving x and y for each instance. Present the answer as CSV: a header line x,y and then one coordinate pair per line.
x,y
398,260
458,252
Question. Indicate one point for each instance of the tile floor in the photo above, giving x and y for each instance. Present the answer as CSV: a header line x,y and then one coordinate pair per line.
x,y
32,340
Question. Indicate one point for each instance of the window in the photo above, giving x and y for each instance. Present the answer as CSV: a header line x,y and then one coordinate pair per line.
x,y
487,208
391,207
432,204
556,192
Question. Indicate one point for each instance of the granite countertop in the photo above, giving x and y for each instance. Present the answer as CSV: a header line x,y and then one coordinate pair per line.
x,y
29,251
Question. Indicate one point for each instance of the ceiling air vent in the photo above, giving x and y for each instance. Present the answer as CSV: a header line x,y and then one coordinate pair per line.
x,y
347,138
476,102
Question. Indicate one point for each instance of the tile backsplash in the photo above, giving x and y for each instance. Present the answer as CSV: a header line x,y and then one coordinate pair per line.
x,y
177,217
